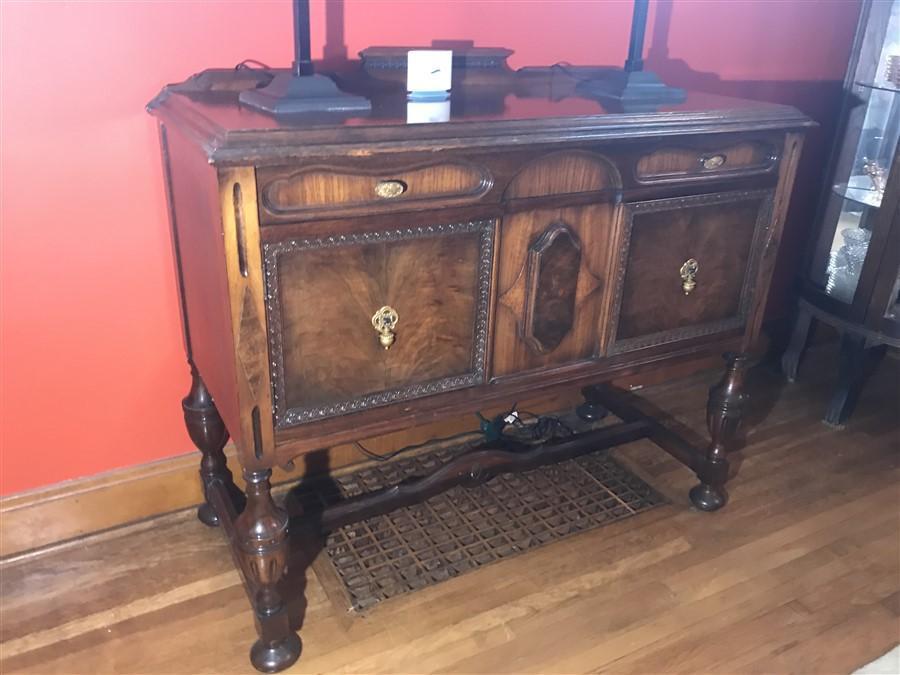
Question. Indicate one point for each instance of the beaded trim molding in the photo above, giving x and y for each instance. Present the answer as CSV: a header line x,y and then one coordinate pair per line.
x,y
285,416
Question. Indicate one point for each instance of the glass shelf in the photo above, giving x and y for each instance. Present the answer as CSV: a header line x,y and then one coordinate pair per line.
x,y
881,87
861,191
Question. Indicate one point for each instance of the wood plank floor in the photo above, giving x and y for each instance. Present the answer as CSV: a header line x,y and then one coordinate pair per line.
x,y
800,573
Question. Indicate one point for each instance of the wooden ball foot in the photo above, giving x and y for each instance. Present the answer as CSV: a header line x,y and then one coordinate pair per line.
x,y
708,498
207,515
591,412
271,658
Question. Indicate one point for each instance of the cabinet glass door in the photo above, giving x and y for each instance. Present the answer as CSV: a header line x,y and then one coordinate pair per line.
x,y
861,171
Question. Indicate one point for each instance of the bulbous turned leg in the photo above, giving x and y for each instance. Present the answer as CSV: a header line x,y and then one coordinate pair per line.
x,y
262,538
790,360
208,432
724,410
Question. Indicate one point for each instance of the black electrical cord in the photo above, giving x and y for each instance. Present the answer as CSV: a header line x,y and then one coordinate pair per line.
x,y
252,64
383,458
543,428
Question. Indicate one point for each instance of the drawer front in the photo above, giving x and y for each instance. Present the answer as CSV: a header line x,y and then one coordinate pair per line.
x,y
366,186
672,164
331,356
687,267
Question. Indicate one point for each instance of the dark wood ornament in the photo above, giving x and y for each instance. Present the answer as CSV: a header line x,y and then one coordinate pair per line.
x,y
208,433
724,411
591,409
554,260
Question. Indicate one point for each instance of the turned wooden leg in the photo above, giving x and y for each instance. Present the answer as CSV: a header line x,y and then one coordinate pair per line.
x,y
591,410
851,373
790,360
723,416
208,432
262,537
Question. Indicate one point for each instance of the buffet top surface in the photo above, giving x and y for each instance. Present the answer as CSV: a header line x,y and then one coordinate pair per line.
x,y
511,106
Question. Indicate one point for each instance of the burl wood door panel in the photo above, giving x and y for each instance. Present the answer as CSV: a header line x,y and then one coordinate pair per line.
x,y
554,264
327,357
657,301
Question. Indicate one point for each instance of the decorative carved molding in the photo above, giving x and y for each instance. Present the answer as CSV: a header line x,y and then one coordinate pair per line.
x,y
763,223
519,296
286,417
551,287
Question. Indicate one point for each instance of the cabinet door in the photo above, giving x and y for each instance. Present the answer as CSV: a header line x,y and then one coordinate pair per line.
x,y
553,269
687,267
328,357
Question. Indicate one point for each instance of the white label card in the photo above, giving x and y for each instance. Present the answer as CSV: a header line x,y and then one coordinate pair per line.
x,y
429,70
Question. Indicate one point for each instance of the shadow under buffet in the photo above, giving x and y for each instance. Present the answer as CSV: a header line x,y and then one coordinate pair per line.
x,y
341,279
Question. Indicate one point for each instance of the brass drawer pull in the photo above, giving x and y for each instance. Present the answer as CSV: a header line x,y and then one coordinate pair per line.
x,y
689,275
384,321
710,162
388,189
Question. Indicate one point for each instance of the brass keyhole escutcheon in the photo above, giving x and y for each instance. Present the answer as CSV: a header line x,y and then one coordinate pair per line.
x,y
384,321
388,189
710,162
689,275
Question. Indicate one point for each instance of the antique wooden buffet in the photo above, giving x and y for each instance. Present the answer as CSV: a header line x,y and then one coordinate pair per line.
x,y
342,277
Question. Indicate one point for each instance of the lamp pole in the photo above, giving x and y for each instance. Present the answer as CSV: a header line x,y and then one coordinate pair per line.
x,y
635,61
303,64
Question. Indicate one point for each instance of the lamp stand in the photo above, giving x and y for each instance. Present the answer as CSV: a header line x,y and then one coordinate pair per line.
x,y
302,90
633,86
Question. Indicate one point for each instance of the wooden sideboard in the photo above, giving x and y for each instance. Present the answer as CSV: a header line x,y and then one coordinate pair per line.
x,y
344,277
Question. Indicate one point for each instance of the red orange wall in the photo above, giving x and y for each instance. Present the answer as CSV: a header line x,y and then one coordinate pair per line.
x,y
92,369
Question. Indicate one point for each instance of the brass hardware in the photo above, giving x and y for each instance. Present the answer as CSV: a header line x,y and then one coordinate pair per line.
x,y
712,161
689,275
384,321
388,189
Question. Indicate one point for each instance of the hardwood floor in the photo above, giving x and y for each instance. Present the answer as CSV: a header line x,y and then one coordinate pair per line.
x,y
799,573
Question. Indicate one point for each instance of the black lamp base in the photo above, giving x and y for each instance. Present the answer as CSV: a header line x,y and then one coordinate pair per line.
x,y
633,89
288,94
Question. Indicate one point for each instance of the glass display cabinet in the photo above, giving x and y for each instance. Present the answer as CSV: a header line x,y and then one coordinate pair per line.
x,y
850,278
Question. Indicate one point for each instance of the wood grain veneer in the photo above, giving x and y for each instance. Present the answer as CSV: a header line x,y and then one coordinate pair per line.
x,y
673,163
323,189
719,232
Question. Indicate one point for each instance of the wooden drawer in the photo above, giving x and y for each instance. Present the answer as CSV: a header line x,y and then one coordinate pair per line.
x,y
675,163
328,358
367,185
655,302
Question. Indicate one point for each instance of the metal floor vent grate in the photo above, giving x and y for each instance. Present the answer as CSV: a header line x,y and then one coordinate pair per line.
x,y
463,529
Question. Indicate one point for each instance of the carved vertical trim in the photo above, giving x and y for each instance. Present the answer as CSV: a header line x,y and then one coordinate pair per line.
x,y
240,223
793,145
